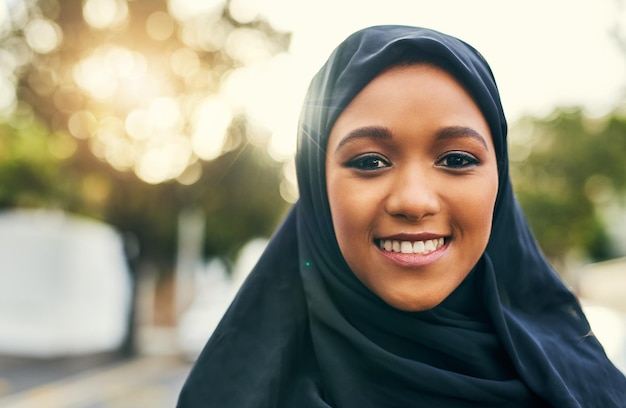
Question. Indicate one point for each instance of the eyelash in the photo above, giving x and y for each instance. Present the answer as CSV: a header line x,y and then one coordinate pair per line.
x,y
373,162
368,162
467,160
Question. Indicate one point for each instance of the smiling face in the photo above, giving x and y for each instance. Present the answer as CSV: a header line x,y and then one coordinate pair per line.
x,y
412,180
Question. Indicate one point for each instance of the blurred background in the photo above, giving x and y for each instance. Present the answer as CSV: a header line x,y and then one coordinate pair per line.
x,y
146,155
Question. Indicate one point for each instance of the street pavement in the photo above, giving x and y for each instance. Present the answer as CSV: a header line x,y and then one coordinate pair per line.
x,y
152,381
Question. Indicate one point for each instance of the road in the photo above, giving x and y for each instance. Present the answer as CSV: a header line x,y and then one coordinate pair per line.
x,y
148,381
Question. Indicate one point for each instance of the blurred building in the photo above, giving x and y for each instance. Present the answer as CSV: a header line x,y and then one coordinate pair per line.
x,y
602,286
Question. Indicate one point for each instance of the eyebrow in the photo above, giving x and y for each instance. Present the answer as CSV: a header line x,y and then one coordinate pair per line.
x,y
383,133
372,132
453,132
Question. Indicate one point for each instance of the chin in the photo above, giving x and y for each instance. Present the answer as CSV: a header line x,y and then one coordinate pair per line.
x,y
411,304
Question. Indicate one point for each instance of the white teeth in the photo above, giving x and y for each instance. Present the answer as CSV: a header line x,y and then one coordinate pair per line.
x,y
408,247
429,245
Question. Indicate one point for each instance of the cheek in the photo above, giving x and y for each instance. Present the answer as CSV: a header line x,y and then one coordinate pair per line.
x,y
346,209
478,209
336,201
353,211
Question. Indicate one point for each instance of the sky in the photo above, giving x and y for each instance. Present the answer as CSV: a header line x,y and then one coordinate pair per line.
x,y
543,53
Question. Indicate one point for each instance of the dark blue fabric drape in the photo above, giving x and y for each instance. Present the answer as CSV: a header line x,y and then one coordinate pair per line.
x,y
304,332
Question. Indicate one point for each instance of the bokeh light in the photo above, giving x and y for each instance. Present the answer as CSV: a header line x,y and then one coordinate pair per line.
x,y
102,72
160,26
184,71
184,62
210,123
163,161
157,99
264,91
42,35
7,95
243,10
184,10
82,124
102,14
248,46
62,145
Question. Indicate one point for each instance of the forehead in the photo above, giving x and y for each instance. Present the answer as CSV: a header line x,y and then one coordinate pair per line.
x,y
415,90
421,77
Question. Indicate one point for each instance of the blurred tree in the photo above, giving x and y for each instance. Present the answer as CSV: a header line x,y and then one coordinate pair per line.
x,y
115,109
566,169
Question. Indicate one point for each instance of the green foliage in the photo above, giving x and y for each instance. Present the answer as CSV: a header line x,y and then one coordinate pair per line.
x,y
62,147
239,192
569,168
28,172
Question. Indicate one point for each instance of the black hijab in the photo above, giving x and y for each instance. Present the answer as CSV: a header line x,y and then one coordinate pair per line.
x,y
305,332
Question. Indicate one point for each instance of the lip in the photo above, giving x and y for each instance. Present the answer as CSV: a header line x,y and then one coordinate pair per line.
x,y
421,236
414,260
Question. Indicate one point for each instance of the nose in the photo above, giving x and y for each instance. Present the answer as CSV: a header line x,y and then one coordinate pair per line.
x,y
413,195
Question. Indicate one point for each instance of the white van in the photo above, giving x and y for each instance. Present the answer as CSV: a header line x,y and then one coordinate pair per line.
x,y
65,285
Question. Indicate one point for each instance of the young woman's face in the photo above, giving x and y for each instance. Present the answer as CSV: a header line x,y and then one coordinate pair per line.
x,y
412,180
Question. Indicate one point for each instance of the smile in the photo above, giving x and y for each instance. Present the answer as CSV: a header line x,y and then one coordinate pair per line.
x,y
411,247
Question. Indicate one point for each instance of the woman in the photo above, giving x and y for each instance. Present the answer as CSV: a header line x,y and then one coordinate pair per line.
x,y
406,274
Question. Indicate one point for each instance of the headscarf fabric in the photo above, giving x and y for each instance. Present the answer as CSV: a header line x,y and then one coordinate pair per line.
x,y
304,332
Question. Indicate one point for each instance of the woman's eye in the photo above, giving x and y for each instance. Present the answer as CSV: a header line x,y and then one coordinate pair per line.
x,y
458,161
368,162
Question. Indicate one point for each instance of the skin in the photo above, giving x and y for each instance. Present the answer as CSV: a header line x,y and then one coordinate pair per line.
x,y
411,158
